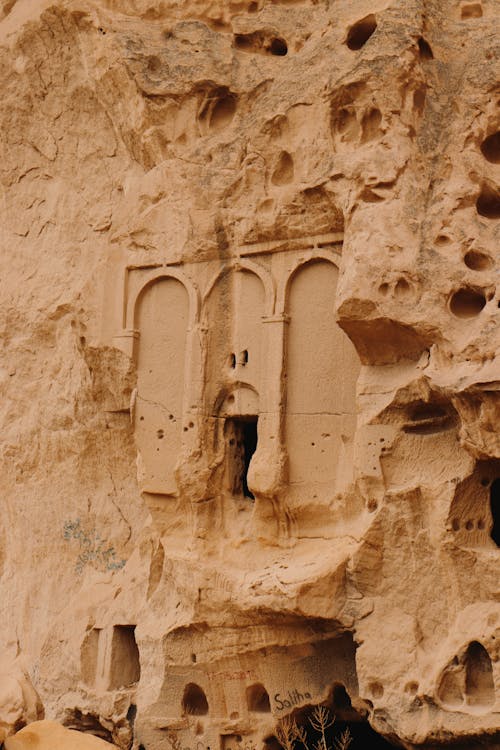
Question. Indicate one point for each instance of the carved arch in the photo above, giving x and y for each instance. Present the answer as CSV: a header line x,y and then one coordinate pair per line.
x,y
245,265
157,275
305,259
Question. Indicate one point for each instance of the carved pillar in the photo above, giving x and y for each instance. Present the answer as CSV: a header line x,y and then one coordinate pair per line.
x,y
267,474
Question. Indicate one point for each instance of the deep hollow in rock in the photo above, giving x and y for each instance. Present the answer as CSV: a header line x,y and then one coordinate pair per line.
x,y
488,203
467,303
194,700
477,261
361,31
490,148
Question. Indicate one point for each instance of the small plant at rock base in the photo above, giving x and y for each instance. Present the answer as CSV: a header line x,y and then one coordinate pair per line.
x,y
292,736
344,740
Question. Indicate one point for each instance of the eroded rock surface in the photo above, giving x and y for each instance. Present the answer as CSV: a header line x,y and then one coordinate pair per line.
x,y
250,302
49,735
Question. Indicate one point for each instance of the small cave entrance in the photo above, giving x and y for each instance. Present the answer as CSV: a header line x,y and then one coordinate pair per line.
x,y
479,686
258,699
467,680
125,668
241,443
194,700
336,723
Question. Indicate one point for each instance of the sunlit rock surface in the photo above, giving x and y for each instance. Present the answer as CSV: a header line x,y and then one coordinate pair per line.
x,y
250,379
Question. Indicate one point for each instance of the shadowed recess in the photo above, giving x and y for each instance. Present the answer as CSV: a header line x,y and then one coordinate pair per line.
x,y
258,699
477,261
194,700
488,203
361,31
467,303
490,148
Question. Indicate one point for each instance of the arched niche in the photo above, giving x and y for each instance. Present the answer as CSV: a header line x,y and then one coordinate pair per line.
x,y
194,700
258,699
479,686
162,314
322,368
233,313
467,681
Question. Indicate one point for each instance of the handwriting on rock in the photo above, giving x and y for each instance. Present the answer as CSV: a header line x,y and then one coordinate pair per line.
x,y
242,674
92,549
292,698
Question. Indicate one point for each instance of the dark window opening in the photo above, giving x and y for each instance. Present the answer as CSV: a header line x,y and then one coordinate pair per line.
x,y
194,700
232,361
258,699
425,49
359,34
125,667
241,443
495,510
278,47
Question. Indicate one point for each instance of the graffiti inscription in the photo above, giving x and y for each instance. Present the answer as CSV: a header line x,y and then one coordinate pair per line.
x,y
92,549
291,699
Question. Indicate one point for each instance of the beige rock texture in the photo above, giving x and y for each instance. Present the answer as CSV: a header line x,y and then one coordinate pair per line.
x,y
19,702
49,735
250,381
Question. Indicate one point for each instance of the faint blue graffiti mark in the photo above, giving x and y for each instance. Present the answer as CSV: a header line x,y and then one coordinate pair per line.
x,y
93,549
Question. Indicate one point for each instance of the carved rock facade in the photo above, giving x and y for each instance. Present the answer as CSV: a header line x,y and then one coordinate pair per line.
x,y
250,304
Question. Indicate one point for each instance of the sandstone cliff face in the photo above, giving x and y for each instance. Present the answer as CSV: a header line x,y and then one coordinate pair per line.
x,y
250,409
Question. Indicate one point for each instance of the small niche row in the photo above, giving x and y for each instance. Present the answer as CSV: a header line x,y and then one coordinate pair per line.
x,y
195,703
258,42
469,301
241,359
488,202
469,517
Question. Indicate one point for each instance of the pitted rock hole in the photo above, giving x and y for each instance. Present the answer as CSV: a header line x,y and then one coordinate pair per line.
x,y
361,31
194,700
218,110
488,203
259,42
467,303
278,47
223,112
258,699
477,261
425,49
490,148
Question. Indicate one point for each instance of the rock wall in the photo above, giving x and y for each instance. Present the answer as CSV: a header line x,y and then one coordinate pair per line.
x,y
250,301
